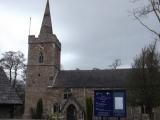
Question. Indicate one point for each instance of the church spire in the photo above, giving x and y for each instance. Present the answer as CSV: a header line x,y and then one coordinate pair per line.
x,y
46,27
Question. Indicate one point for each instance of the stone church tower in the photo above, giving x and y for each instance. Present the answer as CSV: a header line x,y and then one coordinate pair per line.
x,y
43,62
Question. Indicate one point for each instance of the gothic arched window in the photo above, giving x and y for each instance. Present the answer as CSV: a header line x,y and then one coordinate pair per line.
x,y
41,57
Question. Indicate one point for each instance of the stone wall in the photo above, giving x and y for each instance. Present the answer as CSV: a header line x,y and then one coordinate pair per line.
x,y
56,95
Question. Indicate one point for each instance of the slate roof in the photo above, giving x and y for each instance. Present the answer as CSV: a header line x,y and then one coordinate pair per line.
x,y
92,79
7,93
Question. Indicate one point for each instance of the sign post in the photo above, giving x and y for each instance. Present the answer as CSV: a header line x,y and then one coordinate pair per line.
x,y
102,118
110,103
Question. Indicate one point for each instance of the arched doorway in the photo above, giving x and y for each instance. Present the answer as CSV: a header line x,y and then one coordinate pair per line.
x,y
71,112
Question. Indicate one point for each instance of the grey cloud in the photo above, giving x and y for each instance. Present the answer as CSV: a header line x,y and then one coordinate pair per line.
x,y
94,31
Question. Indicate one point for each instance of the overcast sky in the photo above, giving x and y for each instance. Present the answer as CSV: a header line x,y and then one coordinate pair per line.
x,y
93,33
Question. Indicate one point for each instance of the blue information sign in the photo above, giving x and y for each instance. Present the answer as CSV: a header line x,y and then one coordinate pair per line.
x,y
110,103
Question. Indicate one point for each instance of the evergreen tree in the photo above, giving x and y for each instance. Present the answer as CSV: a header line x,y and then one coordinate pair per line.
x,y
145,79
39,108
89,108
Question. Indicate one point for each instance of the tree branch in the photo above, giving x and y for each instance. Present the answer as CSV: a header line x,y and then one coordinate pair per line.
x,y
144,11
154,9
158,8
153,31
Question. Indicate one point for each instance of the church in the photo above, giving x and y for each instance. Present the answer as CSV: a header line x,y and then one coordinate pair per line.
x,y
66,90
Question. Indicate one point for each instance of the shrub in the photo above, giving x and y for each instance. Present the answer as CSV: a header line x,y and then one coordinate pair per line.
x,y
39,109
38,112
89,108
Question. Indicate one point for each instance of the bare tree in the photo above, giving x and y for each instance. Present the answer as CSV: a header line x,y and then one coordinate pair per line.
x,y
18,65
7,62
115,64
151,7
12,62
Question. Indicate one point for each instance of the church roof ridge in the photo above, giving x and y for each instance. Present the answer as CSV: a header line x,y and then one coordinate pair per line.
x,y
87,70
